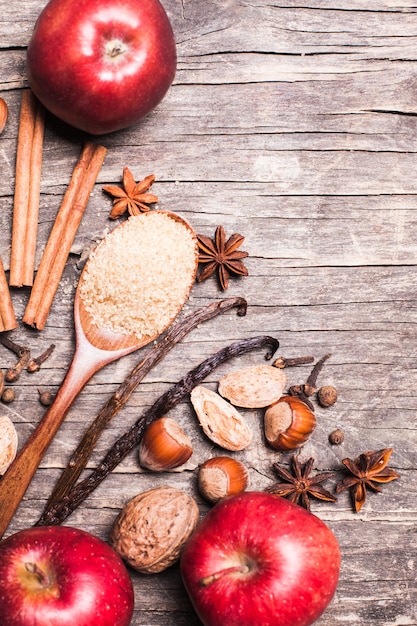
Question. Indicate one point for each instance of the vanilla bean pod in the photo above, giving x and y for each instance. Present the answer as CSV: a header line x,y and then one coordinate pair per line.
x,y
133,436
82,453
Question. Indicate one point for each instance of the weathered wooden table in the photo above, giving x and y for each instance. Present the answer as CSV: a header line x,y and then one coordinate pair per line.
x,y
293,124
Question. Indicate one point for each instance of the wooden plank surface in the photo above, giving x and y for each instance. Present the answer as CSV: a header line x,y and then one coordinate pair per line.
x,y
293,123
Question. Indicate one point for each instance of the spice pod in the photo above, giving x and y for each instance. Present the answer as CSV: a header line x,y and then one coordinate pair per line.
x,y
288,423
253,387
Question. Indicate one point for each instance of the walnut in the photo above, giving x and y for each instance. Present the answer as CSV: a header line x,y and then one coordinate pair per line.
x,y
151,530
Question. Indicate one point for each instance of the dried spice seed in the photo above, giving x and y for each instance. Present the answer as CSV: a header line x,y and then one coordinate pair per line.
x,y
132,197
368,470
222,256
327,395
298,485
34,365
23,354
8,395
336,437
282,361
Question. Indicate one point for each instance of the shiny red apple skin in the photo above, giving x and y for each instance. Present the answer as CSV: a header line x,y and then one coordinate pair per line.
x,y
293,560
88,583
74,70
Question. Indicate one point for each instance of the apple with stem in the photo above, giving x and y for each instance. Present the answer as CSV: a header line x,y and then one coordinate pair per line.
x,y
257,558
61,576
101,65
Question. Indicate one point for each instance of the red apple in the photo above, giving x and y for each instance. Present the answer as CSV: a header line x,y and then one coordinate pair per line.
x,y
101,65
259,559
61,576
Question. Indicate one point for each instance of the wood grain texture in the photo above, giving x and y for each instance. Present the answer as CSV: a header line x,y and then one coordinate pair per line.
x,y
293,123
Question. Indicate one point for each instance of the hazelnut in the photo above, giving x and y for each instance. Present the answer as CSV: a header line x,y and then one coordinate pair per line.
x,y
4,113
327,395
288,423
164,445
151,530
221,476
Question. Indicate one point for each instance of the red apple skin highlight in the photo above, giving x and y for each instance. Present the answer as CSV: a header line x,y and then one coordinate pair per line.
x,y
258,559
62,576
101,65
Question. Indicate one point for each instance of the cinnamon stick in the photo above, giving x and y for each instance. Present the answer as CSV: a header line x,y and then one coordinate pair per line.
x,y
62,235
7,316
27,190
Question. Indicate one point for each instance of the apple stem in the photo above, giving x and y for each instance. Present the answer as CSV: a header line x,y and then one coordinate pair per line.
x,y
238,569
42,577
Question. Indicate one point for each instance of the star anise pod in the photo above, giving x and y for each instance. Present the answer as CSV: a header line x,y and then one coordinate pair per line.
x,y
221,255
132,197
369,469
299,486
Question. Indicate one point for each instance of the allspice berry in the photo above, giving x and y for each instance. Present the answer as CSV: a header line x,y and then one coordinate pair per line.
x,y
45,397
8,395
327,395
336,437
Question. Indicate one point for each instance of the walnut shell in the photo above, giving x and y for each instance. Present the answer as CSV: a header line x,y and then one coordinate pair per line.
x,y
220,421
253,387
8,443
151,530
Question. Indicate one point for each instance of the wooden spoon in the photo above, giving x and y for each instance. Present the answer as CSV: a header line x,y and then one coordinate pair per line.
x,y
95,348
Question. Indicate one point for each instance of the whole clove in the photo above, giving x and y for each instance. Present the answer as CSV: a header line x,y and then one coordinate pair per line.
x,y
23,354
34,365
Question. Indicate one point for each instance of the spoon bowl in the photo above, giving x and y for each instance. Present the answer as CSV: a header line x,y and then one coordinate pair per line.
x,y
96,346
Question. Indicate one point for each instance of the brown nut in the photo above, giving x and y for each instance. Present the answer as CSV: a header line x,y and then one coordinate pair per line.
x,y
221,476
288,423
151,530
1,382
253,387
164,445
327,395
4,113
8,443
220,421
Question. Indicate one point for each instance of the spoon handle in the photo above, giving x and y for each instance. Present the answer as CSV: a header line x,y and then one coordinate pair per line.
x,y
13,485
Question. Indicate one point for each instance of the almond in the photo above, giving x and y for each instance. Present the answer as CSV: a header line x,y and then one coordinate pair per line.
x,y
253,387
151,530
220,421
8,443
4,112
